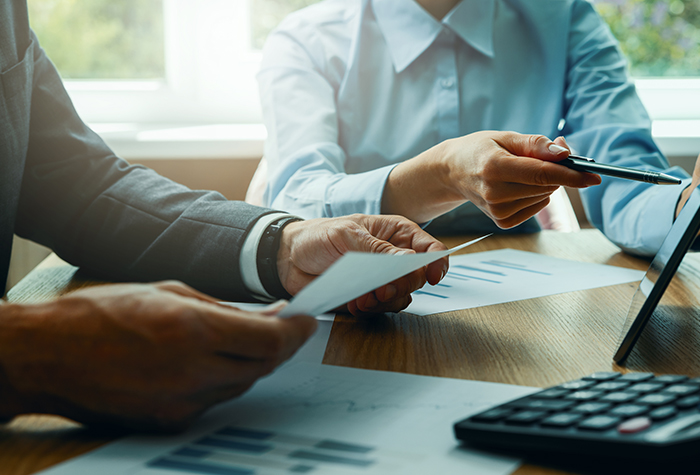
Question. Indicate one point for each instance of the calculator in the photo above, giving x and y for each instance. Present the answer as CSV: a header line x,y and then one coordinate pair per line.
x,y
633,415
609,414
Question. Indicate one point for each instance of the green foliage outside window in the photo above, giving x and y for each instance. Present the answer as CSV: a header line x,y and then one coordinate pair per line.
x,y
659,37
101,39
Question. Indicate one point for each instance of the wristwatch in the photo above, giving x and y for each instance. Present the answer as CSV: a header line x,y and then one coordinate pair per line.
x,y
267,257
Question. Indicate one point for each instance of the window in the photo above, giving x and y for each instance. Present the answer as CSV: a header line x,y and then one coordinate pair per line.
x,y
105,39
194,62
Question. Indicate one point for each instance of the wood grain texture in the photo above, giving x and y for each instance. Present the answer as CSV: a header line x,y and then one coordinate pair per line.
x,y
536,342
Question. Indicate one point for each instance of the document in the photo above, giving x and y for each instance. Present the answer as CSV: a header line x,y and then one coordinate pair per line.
x,y
507,275
313,418
357,273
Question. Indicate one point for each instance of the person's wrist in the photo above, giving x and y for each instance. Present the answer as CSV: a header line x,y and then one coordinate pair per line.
x,y
284,255
268,257
443,168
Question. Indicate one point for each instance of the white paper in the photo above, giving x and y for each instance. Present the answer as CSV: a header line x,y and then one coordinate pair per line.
x,y
357,273
400,423
507,275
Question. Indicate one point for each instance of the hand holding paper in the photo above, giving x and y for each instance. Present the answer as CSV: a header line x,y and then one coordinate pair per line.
x,y
357,273
309,248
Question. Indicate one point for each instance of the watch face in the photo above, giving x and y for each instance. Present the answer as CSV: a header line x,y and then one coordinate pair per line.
x,y
659,275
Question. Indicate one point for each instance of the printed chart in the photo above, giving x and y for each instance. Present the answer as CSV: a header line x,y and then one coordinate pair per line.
x,y
319,419
507,275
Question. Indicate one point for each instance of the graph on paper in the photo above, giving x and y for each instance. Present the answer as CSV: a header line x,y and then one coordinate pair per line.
x,y
340,421
507,275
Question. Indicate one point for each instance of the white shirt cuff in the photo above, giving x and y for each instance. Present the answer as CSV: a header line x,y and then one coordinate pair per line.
x,y
249,256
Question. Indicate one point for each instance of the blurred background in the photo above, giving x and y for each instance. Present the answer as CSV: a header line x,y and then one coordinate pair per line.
x,y
171,83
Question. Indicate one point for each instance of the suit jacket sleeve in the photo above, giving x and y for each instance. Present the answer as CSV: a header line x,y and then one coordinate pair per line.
x,y
119,221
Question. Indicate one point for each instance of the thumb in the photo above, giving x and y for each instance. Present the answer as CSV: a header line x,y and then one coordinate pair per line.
x,y
534,146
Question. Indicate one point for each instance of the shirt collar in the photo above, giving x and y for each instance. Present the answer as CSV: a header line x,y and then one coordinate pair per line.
x,y
409,30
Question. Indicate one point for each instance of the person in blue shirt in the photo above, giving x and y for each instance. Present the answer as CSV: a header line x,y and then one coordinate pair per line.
x,y
385,106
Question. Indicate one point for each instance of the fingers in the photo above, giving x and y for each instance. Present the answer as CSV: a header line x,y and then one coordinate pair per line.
x,y
252,336
535,146
522,215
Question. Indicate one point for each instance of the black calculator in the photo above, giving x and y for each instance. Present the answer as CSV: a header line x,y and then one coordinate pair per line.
x,y
635,415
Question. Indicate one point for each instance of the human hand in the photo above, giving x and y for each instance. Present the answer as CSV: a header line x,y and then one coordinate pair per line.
x,y
140,356
685,195
309,247
511,176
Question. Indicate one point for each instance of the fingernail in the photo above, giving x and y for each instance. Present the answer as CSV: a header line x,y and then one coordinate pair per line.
x,y
390,292
444,272
371,301
557,149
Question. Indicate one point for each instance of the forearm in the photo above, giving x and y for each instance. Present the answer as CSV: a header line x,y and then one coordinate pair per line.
x,y
422,188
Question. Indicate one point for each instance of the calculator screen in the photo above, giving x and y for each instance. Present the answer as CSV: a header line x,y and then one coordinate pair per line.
x,y
659,275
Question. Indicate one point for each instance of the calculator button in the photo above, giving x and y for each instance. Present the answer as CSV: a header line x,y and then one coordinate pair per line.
x,y
590,408
656,399
688,402
542,404
585,395
610,386
561,420
551,393
579,384
492,415
661,413
603,376
693,381
670,379
682,389
635,425
629,410
645,387
636,377
525,417
599,423
619,397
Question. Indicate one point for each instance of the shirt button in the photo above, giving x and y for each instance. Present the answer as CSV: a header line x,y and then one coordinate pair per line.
x,y
447,83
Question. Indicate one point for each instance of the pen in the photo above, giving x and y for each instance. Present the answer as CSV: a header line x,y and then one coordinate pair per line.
x,y
583,164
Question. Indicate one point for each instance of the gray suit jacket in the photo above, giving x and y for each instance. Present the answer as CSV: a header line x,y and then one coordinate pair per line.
x,y
61,186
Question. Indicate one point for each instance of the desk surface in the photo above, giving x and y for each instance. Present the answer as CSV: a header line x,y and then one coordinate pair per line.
x,y
537,342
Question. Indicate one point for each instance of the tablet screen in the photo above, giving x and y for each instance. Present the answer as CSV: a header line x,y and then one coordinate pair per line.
x,y
659,275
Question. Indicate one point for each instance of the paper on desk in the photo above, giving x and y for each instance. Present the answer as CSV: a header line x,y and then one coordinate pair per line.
x,y
508,275
320,419
357,273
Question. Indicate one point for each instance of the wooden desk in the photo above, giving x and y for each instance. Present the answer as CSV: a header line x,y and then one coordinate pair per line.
x,y
537,342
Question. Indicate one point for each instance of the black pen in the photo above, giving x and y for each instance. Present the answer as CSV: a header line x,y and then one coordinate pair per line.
x,y
583,164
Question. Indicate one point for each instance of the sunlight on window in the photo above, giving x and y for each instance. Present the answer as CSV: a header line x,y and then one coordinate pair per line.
x,y
102,39
659,37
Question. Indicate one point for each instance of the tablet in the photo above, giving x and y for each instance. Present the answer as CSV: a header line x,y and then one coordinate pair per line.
x,y
659,275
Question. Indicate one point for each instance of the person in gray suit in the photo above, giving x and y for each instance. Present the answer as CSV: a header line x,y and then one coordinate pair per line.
x,y
149,355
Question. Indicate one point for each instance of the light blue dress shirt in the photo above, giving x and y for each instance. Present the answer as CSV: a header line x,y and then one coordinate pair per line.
x,y
350,88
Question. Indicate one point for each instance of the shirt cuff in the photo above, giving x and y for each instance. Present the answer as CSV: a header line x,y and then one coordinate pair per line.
x,y
358,193
249,254
660,213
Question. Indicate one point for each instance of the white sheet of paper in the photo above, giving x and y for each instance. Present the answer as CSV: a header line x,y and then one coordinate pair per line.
x,y
357,273
329,419
507,275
